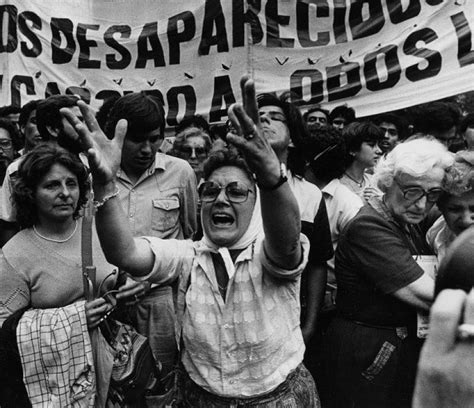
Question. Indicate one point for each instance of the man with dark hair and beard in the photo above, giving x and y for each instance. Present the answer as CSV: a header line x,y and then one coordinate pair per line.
x,y
52,128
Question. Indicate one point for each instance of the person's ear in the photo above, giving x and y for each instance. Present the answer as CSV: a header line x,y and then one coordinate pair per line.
x,y
53,131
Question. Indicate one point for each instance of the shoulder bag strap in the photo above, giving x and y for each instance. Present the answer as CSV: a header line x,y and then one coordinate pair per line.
x,y
88,268
184,282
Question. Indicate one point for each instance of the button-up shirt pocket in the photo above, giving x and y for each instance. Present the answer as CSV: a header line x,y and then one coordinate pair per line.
x,y
165,213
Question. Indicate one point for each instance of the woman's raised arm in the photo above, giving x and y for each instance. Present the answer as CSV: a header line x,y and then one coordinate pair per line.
x,y
118,244
280,213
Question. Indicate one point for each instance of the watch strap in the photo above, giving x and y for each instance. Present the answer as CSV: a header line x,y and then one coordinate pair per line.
x,y
281,181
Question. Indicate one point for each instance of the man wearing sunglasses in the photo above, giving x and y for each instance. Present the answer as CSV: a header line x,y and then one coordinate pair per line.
x,y
282,125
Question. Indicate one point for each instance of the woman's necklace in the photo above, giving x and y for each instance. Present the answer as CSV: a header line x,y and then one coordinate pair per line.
x,y
59,241
359,183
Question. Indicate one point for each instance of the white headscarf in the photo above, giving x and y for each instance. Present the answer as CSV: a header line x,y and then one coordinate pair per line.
x,y
254,230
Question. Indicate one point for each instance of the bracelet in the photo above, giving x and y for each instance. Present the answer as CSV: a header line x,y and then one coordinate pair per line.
x,y
98,204
283,178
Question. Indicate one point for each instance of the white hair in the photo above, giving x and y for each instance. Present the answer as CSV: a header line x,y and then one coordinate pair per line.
x,y
415,157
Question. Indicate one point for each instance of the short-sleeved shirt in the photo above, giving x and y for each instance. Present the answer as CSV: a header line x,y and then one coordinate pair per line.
x,y
440,237
342,206
163,201
374,259
7,212
247,345
314,218
315,225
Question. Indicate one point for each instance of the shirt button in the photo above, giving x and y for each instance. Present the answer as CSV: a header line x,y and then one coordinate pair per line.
x,y
166,205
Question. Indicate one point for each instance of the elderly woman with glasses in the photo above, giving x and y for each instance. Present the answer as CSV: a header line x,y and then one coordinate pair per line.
x,y
372,346
241,336
193,144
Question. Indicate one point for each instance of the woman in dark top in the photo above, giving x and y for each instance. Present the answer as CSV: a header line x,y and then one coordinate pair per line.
x,y
372,346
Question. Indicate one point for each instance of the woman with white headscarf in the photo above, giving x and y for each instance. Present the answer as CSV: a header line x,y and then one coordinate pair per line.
x,y
241,334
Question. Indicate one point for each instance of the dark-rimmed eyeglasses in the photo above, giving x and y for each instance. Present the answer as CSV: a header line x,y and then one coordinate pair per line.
x,y
416,193
235,191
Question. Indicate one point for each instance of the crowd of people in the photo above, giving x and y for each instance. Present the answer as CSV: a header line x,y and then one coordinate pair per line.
x,y
310,245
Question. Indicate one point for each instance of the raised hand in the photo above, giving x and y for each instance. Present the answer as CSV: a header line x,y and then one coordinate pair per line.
x,y
248,137
104,154
446,365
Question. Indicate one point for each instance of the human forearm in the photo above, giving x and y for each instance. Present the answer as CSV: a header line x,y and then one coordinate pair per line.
x,y
316,284
123,250
418,293
282,226
190,202
280,213
104,154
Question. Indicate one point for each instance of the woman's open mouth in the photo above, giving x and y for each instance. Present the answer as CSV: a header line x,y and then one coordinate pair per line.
x,y
222,219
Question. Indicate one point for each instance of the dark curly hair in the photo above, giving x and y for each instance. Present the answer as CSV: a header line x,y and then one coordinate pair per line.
x,y
33,167
316,109
343,111
435,117
398,121
325,152
226,157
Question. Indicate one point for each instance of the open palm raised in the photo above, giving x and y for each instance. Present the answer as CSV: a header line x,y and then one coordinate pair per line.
x,y
104,154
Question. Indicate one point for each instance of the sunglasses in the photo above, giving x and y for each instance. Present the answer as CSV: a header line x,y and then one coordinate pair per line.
x,y
198,151
235,191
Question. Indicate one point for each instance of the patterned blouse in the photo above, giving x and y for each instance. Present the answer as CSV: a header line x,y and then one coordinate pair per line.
x,y
248,344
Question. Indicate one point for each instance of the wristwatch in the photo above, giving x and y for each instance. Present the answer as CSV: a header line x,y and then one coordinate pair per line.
x,y
282,180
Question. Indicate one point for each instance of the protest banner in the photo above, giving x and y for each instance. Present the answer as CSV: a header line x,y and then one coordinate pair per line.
x,y
375,55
